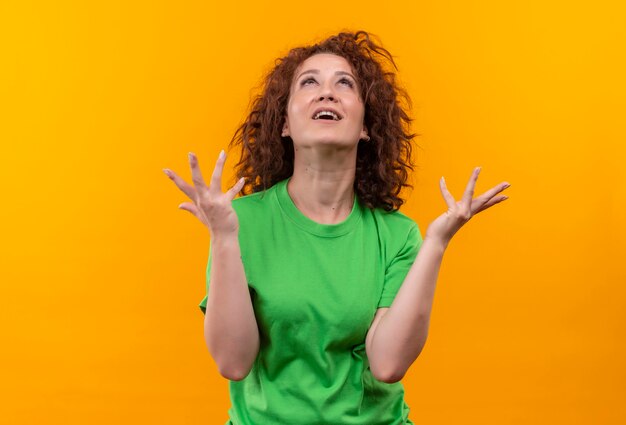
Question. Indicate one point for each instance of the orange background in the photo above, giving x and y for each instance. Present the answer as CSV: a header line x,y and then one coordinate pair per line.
x,y
101,274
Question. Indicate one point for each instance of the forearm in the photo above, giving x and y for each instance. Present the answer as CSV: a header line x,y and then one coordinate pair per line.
x,y
402,331
230,327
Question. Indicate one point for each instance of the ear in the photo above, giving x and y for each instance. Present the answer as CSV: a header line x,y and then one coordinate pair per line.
x,y
363,133
285,132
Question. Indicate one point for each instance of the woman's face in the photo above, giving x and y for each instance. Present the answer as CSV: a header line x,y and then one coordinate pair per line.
x,y
324,82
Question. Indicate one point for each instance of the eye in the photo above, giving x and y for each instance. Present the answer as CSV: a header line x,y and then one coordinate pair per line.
x,y
349,82
306,80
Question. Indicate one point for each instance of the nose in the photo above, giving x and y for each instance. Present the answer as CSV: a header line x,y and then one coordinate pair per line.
x,y
326,92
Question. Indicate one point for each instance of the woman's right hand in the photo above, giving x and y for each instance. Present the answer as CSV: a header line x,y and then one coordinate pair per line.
x,y
212,207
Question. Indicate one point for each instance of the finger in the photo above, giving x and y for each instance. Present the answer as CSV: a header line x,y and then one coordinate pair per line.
x,y
491,203
446,194
469,189
216,177
196,175
235,189
186,206
186,188
193,209
485,197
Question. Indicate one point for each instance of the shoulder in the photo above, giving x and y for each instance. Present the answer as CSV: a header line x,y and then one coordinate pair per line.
x,y
254,204
393,223
397,232
250,199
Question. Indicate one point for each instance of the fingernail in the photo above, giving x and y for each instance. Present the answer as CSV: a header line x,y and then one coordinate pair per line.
x,y
222,154
191,156
167,173
505,198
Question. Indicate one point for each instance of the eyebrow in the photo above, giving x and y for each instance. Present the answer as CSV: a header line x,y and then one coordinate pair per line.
x,y
317,71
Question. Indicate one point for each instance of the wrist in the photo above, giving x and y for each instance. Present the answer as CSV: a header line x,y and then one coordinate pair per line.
x,y
436,241
224,239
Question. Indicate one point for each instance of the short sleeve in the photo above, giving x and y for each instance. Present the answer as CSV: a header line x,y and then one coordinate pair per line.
x,y
202,304
399,266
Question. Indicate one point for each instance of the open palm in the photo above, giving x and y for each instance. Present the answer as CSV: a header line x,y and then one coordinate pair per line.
x,y
460,212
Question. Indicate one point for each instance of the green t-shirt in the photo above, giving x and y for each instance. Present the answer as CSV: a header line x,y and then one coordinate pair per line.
x,y
315,289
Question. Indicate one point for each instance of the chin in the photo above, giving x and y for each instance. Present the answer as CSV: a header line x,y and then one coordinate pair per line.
x,y
330,140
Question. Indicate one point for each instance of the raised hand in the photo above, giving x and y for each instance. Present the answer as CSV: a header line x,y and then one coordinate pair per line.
x,y
459,213
212,207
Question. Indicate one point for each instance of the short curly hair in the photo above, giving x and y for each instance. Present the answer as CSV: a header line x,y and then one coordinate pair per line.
x,y
382,163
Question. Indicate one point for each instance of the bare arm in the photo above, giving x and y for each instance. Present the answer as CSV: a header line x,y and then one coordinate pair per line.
x,y
230,327
399,333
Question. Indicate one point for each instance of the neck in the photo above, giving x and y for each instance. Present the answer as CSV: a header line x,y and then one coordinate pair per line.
x,y
322,186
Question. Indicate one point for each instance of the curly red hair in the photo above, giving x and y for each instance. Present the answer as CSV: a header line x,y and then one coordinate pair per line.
x,y
382,163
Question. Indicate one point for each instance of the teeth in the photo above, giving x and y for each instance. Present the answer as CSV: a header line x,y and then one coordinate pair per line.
x,y
329,113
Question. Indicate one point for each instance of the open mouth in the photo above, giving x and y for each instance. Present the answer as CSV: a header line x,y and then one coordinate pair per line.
x,y
327,115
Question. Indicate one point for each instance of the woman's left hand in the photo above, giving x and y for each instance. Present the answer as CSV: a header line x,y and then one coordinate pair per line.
x,y
459,213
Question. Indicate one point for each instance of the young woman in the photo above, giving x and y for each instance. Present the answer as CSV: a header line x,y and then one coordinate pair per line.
x,y
319,290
